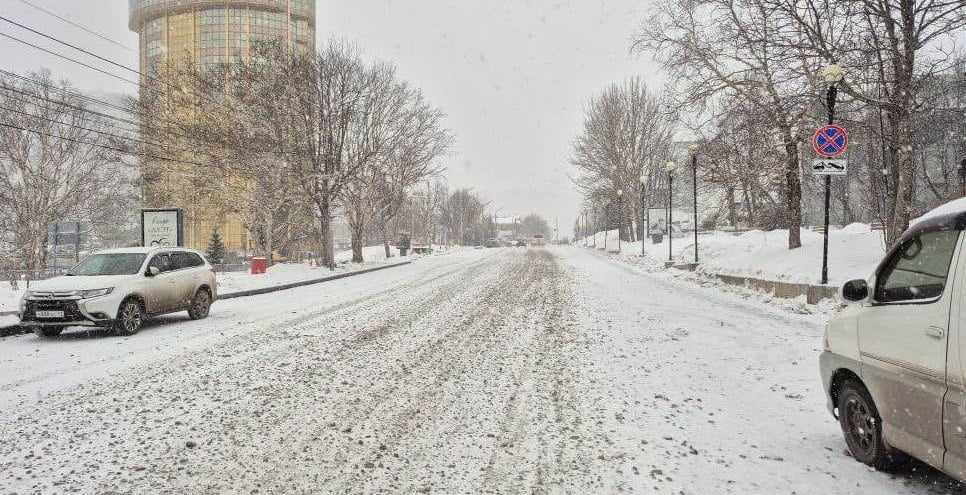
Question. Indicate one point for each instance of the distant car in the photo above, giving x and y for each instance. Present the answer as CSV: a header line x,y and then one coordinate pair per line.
x,y
492,243
521,243
119,289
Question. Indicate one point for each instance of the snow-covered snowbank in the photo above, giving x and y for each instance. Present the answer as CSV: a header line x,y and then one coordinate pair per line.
x,y
9,298
288,273
854,252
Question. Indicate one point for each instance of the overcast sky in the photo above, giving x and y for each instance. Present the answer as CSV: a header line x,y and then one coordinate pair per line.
x,y
512,76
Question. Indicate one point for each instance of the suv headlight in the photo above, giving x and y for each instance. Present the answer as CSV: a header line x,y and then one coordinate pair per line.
x,y
87,294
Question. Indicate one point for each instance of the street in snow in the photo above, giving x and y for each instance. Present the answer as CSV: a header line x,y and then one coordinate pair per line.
x,y
557,370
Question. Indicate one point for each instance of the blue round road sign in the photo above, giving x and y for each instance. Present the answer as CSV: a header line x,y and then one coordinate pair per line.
x,y
830,141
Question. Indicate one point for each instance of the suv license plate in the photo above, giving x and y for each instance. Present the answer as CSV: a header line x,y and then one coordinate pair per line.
x,y
50,314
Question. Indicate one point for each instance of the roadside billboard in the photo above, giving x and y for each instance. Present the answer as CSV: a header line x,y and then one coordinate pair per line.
x,y
656,221
162,227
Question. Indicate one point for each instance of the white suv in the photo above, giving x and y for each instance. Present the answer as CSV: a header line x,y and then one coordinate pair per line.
x,y
119,289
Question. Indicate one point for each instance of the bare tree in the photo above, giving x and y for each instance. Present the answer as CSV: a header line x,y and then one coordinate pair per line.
x,y
411,138
713,48
319,113
58,162
627,134
891,49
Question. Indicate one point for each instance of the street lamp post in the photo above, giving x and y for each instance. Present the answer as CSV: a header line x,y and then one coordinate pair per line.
x,y
694,178
620,217
642,227
606,225
670,166
833,75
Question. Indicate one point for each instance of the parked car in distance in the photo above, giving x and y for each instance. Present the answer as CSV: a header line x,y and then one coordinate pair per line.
x,y
492,243
119,289
894,360
521,243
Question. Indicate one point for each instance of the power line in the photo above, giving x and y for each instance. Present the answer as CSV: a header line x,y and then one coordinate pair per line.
x,y
98,57
65,57
72,23
105,133
64,103
96,145
67,92
170,132
69,45
113,148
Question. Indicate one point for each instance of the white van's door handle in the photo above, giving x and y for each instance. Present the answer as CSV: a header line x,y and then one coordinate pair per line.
x,y
936,332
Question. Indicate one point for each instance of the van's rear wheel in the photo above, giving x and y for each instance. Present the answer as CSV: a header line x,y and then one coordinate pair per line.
x,y
48,331
862,427
130,317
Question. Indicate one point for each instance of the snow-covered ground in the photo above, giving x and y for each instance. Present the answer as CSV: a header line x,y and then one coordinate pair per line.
x,y
287,273
556,370
9,298
854,252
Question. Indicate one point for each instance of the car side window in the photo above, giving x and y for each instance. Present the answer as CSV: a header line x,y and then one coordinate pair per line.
x,y
180,261
161,261
195,260
918,269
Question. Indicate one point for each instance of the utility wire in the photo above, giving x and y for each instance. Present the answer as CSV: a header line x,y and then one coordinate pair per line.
x,y
65,57
69,45
171,132
105,133
96,145
113,148
67,91
78,26
98,57
64,103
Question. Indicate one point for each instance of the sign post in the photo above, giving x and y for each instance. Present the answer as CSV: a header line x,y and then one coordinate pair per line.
x,y
829,141
162,227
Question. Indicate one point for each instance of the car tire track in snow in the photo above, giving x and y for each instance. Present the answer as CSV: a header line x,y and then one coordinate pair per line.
x,y
493,371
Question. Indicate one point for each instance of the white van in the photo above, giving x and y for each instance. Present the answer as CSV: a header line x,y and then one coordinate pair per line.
x,y
894,364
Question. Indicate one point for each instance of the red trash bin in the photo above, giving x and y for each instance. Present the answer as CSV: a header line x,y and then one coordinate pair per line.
x,y
259,266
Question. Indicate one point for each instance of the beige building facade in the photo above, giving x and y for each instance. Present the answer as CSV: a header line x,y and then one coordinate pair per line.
x,y
208,33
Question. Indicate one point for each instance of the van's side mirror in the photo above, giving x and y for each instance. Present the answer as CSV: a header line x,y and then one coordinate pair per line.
x,y
152,271
854,291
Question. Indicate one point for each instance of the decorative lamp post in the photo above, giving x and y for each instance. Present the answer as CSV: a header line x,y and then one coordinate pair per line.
x,y
606,225
620,217
694,177
670,167
642,227
833,75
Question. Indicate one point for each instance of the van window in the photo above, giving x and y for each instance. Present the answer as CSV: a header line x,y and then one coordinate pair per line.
x,y
918,269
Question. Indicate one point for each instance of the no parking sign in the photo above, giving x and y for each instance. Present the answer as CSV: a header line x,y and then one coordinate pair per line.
x,y
830,141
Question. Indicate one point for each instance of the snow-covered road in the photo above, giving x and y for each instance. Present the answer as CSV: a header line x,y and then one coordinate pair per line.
x,y
481,371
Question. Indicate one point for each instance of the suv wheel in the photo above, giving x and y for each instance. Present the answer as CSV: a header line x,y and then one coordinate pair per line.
x,y
200,305
130,317
862,427
48,331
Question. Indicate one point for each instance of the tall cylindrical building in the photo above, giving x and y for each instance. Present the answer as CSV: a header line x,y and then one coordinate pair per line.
x,y
209,32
